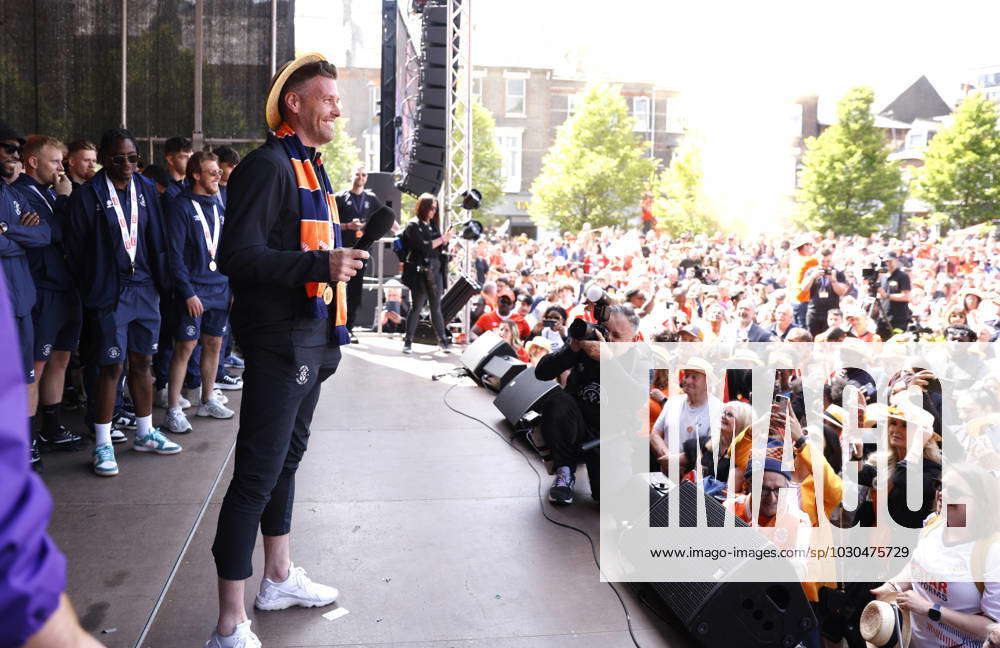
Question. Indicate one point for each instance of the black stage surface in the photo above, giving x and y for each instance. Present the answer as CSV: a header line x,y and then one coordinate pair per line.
x,y
427,523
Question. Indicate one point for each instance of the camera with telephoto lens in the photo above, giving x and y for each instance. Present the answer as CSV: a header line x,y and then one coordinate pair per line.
x,y
581,329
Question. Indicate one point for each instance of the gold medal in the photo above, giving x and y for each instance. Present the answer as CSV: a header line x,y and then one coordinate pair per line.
x,y
328,294
212,266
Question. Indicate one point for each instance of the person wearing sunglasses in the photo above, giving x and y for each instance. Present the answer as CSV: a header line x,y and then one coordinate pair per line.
x,y
115,244
194,227
20,229
56,316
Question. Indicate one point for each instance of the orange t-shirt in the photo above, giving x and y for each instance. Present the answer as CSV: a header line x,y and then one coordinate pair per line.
x,y
797,270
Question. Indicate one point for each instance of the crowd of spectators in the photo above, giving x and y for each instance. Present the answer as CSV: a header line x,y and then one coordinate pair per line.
x,y
726,289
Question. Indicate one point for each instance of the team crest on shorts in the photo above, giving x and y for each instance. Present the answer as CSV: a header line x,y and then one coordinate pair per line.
x,y
303,375
114,352
191,330
46,350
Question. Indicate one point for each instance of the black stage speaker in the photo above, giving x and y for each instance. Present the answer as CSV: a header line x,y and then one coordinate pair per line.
x,y
365,315
727,613
523,394
452,303
500,370
425,159
382,185
486,346
390,262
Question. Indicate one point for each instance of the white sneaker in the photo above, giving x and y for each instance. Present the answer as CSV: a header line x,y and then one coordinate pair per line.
x,y
214,409
242,637
296,590
222,398
175,421
163,400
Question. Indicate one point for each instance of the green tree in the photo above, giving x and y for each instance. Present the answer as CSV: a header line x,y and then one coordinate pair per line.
x,y
597,168
486,164
681,206
962,165
341,157
847,182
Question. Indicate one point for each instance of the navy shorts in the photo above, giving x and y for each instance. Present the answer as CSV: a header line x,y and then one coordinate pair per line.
x,y
133,326
25,335
213,322
57,319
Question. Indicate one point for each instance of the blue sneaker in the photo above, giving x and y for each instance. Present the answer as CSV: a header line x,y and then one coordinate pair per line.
x,y
104,461
235,362
154,441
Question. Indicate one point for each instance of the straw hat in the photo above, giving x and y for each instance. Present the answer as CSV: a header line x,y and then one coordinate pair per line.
x,y
801,239
884,625
271,113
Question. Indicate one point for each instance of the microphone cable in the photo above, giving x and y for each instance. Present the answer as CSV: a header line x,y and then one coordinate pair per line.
x,y
541,505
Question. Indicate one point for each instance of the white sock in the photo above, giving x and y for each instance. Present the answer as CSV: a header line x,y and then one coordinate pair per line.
x,y
102,431
143,424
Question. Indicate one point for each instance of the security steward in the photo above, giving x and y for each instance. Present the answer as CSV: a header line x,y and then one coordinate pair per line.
x,y
281,249
356,205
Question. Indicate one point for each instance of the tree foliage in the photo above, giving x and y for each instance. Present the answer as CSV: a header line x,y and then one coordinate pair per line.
x,y
596,169
847,183
962,165
341,157
681,206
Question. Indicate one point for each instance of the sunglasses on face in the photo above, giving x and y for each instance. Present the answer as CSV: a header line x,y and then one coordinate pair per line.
x,y
213,174
11,148
119,160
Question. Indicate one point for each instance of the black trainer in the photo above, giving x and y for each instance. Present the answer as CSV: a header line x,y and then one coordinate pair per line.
x,y
407,348
59,438
36,456
123,418
561,491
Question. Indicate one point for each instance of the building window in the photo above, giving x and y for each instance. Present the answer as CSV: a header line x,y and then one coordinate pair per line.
x,y
676,119
916,140
516,89
640,113
477,89
795,120
509,141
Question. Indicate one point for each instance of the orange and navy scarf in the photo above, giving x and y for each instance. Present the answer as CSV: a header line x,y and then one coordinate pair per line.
x,y
319,227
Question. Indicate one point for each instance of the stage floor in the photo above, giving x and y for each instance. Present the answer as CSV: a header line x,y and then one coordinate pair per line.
x,y
425,520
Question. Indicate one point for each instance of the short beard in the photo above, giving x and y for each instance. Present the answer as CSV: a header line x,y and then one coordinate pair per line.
x,y
6,171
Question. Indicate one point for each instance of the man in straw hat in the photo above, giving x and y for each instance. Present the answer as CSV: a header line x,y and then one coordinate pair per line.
x,y
281,249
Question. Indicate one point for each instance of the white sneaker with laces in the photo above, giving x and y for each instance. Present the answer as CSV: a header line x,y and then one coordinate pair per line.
x,y
242,637
162,400
176,421
214,409
297,589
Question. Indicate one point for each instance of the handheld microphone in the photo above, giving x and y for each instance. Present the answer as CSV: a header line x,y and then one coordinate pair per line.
x,y
378,224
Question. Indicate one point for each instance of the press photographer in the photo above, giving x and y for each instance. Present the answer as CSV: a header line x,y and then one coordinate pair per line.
x,y
571,417
893,291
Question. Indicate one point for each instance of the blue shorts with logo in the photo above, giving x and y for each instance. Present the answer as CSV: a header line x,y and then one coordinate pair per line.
x,y
57,319
134,326
213,321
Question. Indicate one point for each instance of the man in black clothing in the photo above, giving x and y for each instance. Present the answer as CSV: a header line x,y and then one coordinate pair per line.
x,y
826,285
289,347
571,417
355,206
894,291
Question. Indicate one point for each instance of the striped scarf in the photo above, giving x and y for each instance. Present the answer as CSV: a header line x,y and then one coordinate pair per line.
x,y
319,228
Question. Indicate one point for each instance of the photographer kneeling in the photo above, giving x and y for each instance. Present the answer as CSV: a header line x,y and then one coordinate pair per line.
x,y
571,417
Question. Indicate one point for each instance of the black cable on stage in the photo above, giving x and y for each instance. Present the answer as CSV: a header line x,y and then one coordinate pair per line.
x,y
541,505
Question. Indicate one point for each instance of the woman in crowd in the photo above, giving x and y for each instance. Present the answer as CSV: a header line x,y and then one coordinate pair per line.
x,y
898,431
508,332
950,586
422,270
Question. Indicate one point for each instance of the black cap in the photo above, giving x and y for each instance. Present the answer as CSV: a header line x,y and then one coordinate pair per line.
x,y
157,174
6,132
891,255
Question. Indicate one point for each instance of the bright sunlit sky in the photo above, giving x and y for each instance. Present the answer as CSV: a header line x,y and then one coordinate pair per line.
x,y
738,63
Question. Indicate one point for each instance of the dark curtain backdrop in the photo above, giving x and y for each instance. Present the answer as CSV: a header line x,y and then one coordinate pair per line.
x,y
60,66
